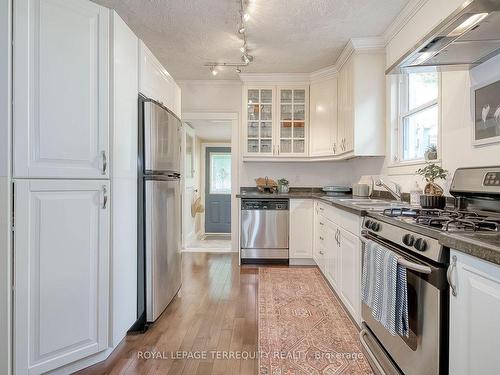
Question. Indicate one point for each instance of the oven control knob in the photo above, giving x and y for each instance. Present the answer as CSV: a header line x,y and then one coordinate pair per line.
x,y
368,224
420,244
375,227
408,239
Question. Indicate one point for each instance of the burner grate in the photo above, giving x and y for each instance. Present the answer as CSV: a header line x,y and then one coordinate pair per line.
x,y
447,220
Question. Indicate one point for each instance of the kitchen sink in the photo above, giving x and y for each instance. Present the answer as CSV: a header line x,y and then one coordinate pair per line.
x,y
374,204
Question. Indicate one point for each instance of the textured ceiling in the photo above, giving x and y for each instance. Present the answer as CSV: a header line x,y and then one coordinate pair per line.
x,y
285,36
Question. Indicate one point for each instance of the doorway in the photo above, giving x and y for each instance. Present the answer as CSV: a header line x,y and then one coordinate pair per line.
x,y
210,184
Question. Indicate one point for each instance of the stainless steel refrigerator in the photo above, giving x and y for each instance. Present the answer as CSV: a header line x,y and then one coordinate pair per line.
x,y
159,256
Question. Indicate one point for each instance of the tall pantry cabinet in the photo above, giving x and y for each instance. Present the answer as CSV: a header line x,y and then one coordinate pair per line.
x,y
66,97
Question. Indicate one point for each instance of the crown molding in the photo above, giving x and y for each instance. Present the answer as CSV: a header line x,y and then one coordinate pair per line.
x,y
324,73
359,45
402,19
210,82
275,77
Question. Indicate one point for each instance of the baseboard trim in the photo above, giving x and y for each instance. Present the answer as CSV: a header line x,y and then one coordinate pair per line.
x,y
301,262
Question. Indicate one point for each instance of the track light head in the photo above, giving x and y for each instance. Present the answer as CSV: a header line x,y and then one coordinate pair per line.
x,y
238,69
213,71
242,29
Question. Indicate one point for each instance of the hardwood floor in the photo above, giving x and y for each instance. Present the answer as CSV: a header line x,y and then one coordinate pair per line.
x,y
214,313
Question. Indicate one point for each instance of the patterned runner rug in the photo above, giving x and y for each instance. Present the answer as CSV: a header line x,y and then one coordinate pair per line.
x,y
303,329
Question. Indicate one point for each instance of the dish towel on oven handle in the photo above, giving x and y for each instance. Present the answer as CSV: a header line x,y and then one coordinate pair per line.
x,y
384,288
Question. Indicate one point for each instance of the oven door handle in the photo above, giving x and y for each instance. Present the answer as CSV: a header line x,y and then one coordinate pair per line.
x,y
402,261
362,335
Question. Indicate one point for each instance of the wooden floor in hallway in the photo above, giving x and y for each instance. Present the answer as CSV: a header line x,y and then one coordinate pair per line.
x,y
215,312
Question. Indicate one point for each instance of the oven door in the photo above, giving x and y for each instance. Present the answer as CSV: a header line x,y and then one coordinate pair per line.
x,y
425,350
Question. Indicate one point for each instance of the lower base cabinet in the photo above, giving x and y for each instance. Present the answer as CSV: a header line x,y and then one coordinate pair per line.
x,y
337,252
61,246
474,316
350,263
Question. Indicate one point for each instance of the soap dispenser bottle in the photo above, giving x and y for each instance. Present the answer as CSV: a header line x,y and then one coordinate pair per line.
x,y
415,195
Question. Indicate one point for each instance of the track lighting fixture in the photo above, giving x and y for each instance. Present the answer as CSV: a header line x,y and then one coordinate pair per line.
x,y
246,58
246,6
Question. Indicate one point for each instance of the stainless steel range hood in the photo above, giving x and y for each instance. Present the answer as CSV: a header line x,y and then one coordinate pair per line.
x,y
467,38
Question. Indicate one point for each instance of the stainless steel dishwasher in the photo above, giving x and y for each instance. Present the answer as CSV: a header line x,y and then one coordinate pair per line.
x,y
264,230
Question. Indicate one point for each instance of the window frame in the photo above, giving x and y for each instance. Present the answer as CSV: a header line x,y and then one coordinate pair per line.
x,y
402,93
210,164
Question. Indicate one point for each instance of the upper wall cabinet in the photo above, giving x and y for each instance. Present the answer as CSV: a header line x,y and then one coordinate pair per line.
x,y
275,122
361,105
156,83
61,93
323,117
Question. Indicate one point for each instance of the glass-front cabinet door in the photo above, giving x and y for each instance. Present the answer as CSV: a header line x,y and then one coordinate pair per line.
x,y
292,125
259,122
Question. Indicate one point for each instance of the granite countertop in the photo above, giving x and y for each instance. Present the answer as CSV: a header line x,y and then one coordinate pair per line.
x,y
483,245
304,193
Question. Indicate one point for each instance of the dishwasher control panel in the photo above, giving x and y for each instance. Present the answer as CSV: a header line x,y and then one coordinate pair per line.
x,y
264,204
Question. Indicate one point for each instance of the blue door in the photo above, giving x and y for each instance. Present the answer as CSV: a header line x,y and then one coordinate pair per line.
x,y
218,190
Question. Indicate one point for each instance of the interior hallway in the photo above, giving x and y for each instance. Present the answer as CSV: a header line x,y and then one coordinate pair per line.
x,y
214,311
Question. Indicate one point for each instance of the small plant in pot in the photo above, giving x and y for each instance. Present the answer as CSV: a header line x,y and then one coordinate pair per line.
x,y
431,153
283,185
433,193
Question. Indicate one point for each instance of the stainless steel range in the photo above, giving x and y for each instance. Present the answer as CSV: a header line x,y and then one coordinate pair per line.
x,y
413,234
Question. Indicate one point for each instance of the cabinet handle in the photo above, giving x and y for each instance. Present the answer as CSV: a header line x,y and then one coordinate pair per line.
x,y
320,223
278,149
334,148
452,265
104,162
321,252
104,197
321,238
321,209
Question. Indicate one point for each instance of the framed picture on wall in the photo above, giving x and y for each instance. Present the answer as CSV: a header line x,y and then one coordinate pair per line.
x,y
485,103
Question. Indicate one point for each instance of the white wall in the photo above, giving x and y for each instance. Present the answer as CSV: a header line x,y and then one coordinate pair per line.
x,y
456,119
5,186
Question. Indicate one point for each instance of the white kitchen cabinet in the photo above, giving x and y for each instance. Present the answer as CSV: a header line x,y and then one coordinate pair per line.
x,y
333,270
156,83
60,89
323,118
474,316
61,272
259,118
275,122
301,228
292,129
361,105
350,264
337,252
124,131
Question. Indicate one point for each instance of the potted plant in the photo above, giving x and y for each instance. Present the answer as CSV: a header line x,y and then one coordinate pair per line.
x,y
433,193
283,185
431,153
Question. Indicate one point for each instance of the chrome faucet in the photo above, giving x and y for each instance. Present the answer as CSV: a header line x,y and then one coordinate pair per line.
x,y
396,193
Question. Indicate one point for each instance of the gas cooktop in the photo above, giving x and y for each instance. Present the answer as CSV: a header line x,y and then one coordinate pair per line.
x,y
447,220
